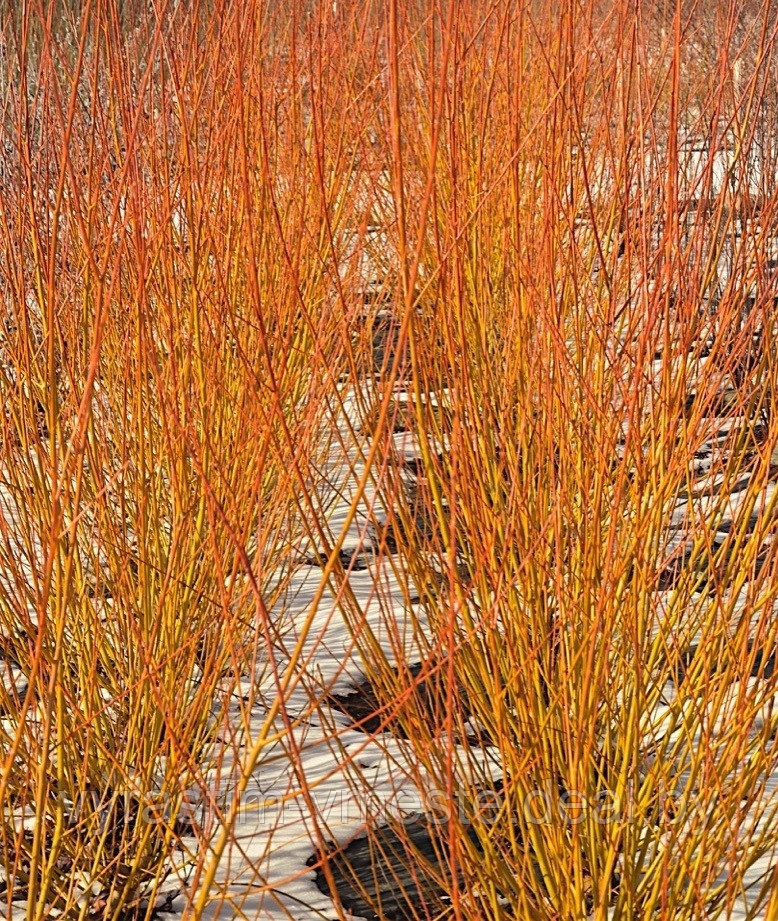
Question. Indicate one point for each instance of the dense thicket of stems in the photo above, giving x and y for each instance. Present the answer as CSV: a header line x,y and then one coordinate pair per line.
x,y
563,218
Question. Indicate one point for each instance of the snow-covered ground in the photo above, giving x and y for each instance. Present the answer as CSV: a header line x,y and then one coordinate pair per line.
x,y
263,871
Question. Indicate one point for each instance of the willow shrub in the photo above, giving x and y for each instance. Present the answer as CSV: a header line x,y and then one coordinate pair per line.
x,y
586,230
165,356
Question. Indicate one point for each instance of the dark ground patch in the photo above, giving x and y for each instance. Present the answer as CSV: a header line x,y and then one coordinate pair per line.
x,y
368,710
386,875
